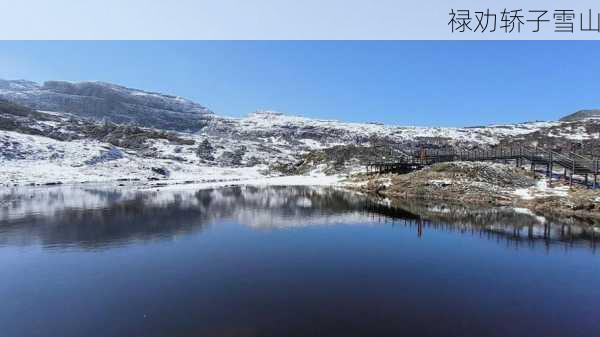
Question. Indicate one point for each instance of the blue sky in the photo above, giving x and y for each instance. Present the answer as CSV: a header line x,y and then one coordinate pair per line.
x,y
433,83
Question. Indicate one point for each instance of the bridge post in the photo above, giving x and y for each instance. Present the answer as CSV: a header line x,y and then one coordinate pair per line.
x,y
532,166
571,179
551,166
595,172
520,155
571,174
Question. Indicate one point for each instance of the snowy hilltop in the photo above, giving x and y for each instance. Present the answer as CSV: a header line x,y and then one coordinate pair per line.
x,y
64,132
106,101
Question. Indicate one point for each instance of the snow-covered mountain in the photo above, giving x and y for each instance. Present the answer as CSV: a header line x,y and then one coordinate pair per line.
x,y
318,133
62,134
106,101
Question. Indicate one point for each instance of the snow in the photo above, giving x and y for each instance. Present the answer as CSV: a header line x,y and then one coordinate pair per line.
x,y
52,95
52,113
312,144
46,160
526,211
440,182
269,121
28,159
541,189
262,181
438,209
268,137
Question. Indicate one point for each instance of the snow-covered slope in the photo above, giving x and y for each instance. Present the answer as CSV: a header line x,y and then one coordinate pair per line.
x,y
106,101
241,148
319,133
35,160
70,144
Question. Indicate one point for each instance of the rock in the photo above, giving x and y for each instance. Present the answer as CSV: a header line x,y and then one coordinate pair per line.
x,y
162,171
110,155
234,158
205,151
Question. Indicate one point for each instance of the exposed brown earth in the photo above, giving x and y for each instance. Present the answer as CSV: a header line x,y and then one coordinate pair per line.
x,y
489,184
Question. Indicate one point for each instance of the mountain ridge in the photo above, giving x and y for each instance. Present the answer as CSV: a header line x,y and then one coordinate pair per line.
x,y
107,101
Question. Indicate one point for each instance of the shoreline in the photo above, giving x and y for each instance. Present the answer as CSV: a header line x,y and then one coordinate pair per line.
x,y
557,202
562,214
293,180
474,186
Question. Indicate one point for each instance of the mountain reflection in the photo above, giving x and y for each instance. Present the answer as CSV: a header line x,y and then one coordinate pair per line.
x,y
100,217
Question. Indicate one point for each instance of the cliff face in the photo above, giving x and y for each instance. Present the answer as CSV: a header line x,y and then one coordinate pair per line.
x,y
105,101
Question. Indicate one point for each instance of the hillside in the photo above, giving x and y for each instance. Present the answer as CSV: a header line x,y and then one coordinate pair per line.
x,y
486,184
582,114
114,132
106,101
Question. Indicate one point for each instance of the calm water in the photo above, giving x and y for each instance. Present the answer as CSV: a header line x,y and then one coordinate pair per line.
x,y
286,262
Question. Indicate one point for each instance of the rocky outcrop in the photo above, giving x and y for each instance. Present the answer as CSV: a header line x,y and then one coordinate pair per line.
x,y
462,182
486,184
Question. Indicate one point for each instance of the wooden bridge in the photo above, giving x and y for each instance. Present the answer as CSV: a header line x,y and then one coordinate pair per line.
x,y
571,163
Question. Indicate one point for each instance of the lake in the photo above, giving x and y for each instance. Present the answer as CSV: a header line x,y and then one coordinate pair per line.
x,y
286,261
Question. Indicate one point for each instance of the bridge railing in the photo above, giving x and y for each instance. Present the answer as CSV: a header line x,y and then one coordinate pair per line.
x,y
574,162
590,164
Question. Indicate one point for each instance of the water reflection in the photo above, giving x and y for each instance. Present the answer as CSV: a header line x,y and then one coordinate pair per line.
x,y
99,217
285,261
515,227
